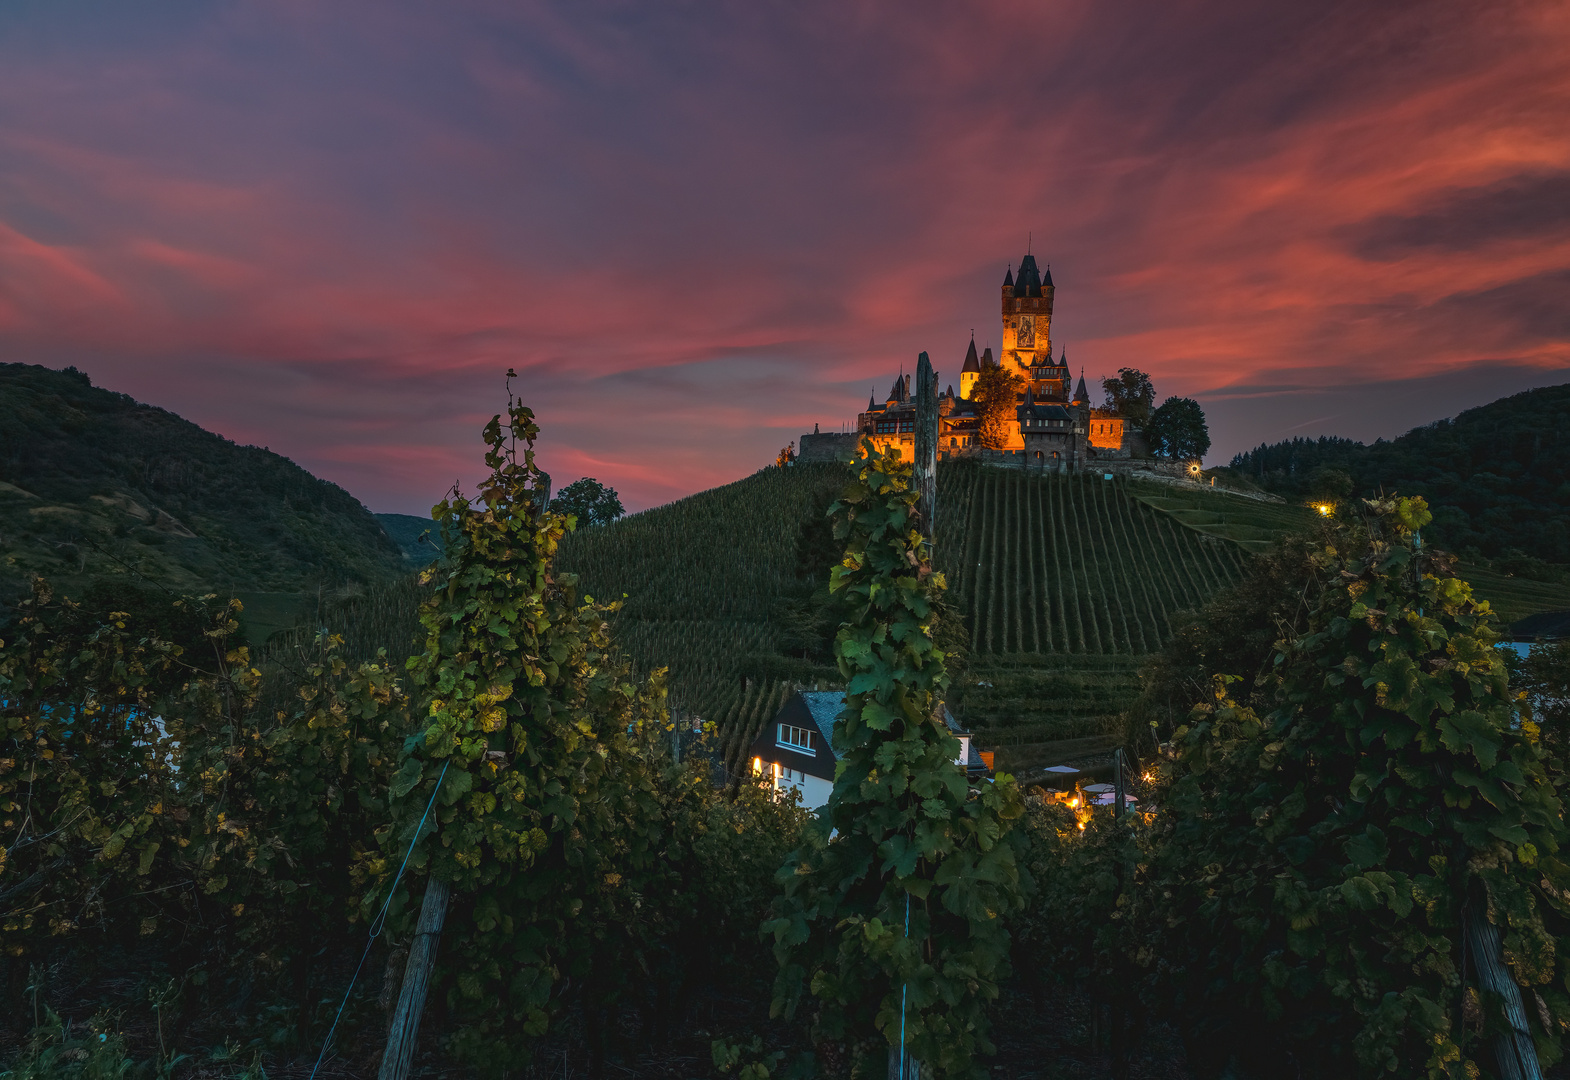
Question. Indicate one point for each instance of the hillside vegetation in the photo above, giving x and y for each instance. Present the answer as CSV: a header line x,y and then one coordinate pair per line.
x,y
1064,583
96,486
1497,476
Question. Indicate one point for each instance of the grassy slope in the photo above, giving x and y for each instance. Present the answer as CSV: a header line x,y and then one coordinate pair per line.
x,y
97,485
1254,524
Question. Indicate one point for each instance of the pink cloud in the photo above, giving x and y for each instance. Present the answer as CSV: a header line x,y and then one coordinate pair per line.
x,y
329,231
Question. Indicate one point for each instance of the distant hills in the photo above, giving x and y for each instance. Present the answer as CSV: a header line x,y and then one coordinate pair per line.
x,y
420,539
1497,477
97,487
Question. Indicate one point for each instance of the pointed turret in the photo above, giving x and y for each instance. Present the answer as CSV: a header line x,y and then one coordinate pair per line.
x,y
1081,396
1008,278
986,356
1046,279
1028,284
872,400
970,372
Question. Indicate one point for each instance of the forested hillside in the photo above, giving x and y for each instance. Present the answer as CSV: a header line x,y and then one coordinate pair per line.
x,y
1498,476
96,486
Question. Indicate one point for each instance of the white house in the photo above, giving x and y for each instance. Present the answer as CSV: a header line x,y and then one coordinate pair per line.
x,y
796,748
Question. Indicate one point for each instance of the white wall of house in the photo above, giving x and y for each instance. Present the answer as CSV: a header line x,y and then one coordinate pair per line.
x,y
814,790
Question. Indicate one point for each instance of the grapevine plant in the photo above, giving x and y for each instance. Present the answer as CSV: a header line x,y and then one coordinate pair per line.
x,y
1312,867
892,913
177,796
545,820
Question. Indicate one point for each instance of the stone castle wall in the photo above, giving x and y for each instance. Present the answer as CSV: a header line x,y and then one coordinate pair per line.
x,y
826,447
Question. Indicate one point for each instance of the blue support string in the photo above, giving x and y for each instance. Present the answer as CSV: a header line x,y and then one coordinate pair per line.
x,y
904,992
381,919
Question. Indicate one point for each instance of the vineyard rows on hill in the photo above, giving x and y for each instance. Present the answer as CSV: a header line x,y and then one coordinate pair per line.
x,y
1069,564
1065,583
703,582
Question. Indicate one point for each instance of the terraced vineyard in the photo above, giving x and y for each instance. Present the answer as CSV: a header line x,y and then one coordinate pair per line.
x,y
1071,564
705,581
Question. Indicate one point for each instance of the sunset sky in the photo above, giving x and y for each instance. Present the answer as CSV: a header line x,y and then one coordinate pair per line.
x,y
696,229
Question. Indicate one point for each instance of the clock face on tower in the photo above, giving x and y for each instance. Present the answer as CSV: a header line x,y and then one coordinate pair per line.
x,y
1026,338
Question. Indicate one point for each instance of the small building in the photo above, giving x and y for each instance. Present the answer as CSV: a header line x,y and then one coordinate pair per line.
x,y
796,748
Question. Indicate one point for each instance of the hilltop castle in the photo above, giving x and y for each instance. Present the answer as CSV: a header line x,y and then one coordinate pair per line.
x,y
1055,425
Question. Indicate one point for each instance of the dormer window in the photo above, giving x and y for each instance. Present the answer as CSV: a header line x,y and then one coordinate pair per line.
x,y
797,738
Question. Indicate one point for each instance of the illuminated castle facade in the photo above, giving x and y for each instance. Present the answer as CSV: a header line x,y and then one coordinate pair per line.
x,y
1055,425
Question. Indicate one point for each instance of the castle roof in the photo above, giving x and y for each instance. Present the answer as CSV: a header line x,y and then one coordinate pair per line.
x,y
872,401
986,356
1008,278
1046,277
1029,282
1040,410
1079,391
971,366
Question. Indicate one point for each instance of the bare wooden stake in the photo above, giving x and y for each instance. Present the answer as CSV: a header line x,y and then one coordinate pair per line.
x,y
926,478
1514,1049
405,1027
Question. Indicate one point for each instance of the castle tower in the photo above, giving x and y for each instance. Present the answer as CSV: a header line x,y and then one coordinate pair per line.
x,y
1027,317
970,372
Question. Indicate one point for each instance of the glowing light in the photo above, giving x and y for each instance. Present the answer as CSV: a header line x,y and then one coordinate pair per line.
x,y
1325,509
757,766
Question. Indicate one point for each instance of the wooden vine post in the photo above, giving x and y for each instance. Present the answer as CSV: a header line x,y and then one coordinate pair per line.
x,y
405,1026
926,458
1514,1050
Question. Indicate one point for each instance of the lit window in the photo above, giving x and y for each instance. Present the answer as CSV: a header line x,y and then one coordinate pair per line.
x,y
798,737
